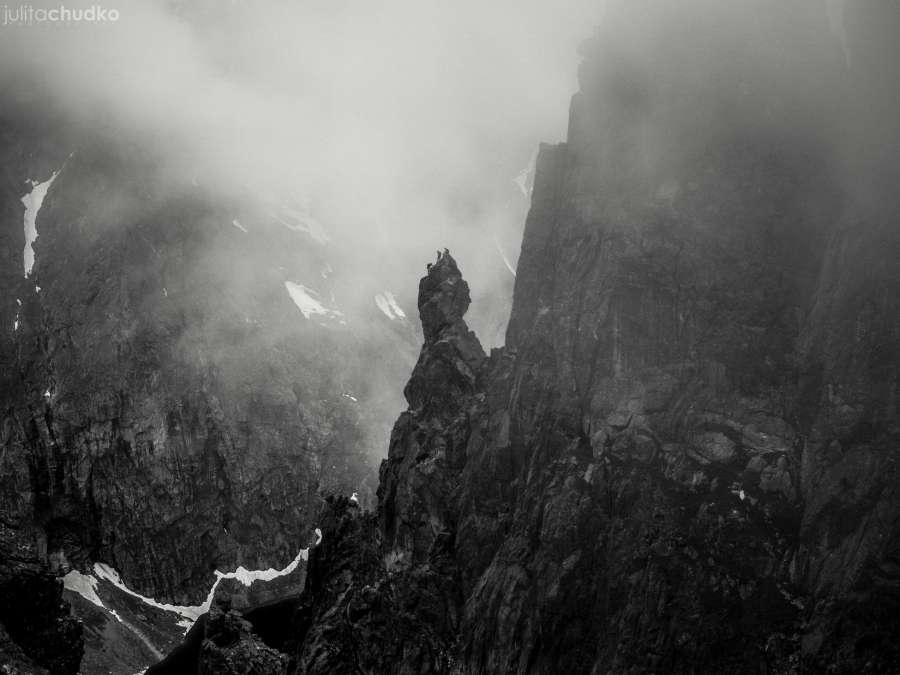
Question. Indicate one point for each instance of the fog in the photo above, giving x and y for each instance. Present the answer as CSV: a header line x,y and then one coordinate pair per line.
x,y
405,122
407,125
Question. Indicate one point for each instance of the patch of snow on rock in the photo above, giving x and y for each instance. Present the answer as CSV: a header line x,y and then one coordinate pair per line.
x,y
33,201
247,577
307,303
392,303
509,266
383,305
387,303
83,584
189,614
192,613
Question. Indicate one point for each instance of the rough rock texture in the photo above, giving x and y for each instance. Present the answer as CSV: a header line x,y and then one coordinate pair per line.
x,y
231,647
382,591
164,406
684,460
37,635
385,597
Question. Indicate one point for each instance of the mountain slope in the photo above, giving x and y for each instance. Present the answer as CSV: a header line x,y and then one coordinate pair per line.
x,y
169,407
684,459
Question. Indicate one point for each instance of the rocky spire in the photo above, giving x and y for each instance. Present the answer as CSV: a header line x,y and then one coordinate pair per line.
x,y
443,297
451,356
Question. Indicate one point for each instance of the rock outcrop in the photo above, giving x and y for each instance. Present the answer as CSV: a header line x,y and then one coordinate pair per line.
x,y
684,459
165,405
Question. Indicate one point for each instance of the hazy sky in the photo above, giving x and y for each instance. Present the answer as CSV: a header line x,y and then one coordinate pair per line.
x,y
404,121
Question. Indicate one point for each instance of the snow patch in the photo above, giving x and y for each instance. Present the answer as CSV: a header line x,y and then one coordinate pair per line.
x,y
189,614
83,584
350,396
33,201
738,491
238,225
247,577
392,301
308,304
387,303
509,266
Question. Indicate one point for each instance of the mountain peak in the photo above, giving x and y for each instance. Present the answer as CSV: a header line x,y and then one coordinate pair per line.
x,y
443,296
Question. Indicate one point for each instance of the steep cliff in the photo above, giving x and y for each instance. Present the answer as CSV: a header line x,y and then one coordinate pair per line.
x,y
178,380
684,459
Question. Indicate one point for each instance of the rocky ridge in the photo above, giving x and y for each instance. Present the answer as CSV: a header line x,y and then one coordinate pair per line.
x,y
684,458
167,407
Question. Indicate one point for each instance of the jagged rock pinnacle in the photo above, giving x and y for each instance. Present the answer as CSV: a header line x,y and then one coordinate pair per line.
x,y
451,356
443,296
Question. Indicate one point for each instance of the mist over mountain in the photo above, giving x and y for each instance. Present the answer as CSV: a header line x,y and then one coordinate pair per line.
x,y
644,418
403,125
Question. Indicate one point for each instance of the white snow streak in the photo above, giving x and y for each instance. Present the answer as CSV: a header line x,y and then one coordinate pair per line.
x,y
238,225
189,614
304,298
387,303
509,266
33,201
83,584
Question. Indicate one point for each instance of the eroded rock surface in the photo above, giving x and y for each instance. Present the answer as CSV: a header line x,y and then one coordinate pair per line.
x,y
684,458
166,407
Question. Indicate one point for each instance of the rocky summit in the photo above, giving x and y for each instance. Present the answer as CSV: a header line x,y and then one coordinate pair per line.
x,y
683,460
685,457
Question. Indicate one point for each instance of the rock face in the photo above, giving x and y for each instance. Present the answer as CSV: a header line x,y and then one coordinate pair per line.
x,y
684,459
167,407
382,596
